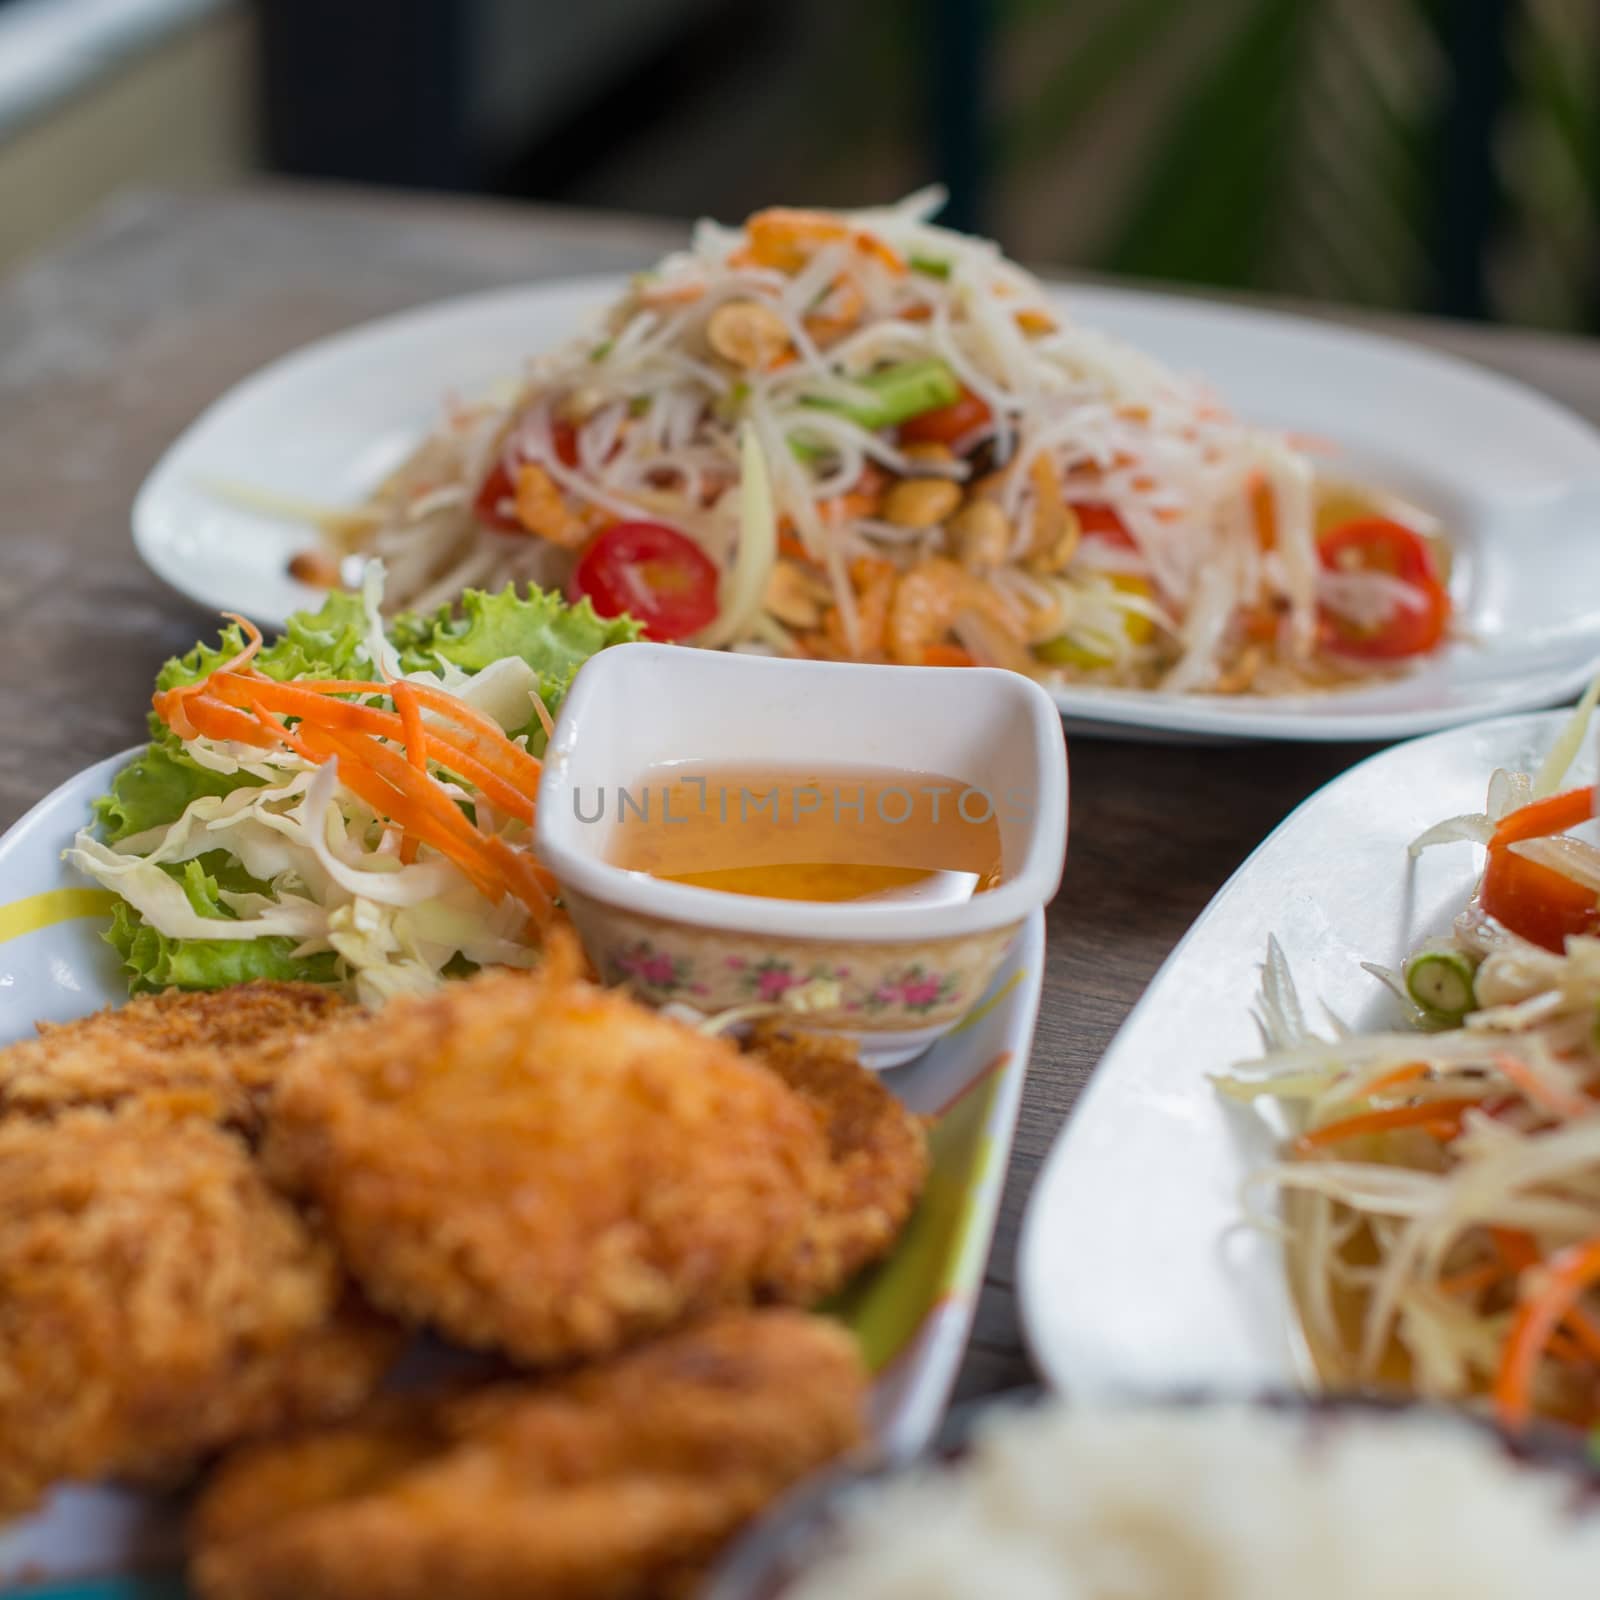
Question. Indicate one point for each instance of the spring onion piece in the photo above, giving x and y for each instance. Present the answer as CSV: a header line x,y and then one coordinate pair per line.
x,y
899,393
930,266
1443,983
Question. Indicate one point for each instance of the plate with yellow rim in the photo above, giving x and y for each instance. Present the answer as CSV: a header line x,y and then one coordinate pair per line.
x,y
912,1314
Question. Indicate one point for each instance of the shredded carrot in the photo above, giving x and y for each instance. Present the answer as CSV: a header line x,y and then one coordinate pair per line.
x,y
1566,1277
510,783
1442,1118
946,655
1409,1073
1546,1096
176,699
1472,1279
236,702
1545,817
542,711
405,702
205,715
1520,1254
491,746
1264,508
389,785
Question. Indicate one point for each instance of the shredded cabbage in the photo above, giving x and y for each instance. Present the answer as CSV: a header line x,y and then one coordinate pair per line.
x,y
233,861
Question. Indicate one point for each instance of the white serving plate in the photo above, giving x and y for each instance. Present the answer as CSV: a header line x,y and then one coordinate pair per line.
x,y
912,1315
1137,1269
1515,477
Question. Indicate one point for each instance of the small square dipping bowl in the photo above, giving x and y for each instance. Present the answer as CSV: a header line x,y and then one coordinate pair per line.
x,y
896,976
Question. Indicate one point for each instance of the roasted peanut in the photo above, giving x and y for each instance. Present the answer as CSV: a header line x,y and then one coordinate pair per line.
x,y
747,333
980,535
795,596
315,567
921,502
1242,674
929,452
1064,532
578,405
1053,537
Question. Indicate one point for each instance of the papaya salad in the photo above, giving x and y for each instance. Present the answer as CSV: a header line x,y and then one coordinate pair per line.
x,y
943,468
352,804
1442,1185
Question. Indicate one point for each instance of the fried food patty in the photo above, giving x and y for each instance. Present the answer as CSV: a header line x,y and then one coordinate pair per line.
x,y
158,1300
228,1045
531,1163
535,1165
878,1151
618,1482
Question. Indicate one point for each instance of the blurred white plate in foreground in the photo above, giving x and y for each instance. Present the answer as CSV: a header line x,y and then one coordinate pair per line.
x,y
1137,1269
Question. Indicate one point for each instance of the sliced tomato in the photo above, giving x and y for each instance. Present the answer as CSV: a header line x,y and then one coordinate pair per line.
x,y
651,573
496,504
565,438
1099,521
1377,544
946,424
1542,905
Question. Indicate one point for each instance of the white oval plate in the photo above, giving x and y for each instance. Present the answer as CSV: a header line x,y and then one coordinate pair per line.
x,y
1515,477
1137,1269
911,1315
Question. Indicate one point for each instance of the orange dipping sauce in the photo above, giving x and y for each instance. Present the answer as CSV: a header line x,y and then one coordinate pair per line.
x,y
855,834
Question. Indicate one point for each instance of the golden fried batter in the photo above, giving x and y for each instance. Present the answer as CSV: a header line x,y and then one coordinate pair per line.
x,y
531,1163
878,1151
225,1044
620,1482
157,1300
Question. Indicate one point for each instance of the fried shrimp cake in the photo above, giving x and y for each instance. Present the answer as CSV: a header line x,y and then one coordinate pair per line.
x,y
229,1044
531,1163
877,1149
157,1301
618,1482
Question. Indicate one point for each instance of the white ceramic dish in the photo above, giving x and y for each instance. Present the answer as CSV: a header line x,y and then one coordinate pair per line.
x,y
911,1316
1137,1270
1515,477
896,975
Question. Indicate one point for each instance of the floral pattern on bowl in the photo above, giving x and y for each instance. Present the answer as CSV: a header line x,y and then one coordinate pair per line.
x,y
855,987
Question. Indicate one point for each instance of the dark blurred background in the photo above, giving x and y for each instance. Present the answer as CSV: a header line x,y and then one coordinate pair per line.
x,y
1441,155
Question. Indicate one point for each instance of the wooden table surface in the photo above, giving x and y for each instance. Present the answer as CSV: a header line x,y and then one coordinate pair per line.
x,y
111,343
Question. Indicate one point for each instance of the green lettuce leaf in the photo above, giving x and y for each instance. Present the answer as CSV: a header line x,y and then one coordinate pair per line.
x,y
155,962
313,644
157,785
553,637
